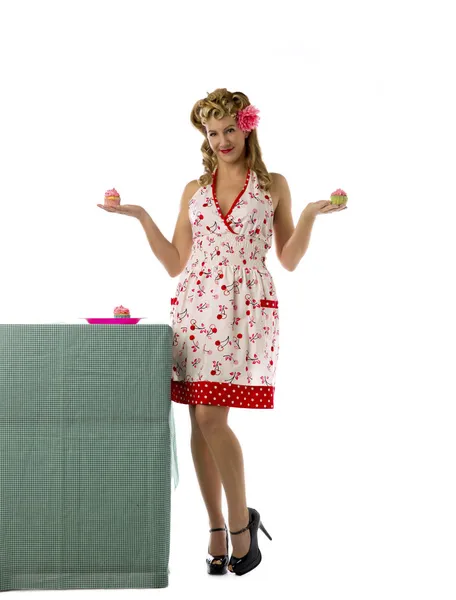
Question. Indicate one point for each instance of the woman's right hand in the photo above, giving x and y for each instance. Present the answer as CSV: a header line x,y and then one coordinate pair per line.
x,y
131,210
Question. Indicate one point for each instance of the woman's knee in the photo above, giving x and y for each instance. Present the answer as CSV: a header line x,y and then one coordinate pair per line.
x,y
210,417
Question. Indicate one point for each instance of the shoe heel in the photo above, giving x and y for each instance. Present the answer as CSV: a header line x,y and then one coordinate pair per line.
x,y
264,531
244,564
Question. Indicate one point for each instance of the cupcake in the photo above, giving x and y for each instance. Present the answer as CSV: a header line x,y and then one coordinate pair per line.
x,y
120,312
339,197
112,198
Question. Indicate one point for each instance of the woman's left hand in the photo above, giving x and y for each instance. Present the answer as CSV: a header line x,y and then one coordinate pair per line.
x,y
323,206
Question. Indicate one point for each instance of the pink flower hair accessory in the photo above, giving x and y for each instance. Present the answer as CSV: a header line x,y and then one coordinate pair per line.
x,y
247,118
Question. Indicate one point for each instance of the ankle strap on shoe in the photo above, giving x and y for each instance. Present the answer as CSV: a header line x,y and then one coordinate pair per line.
x,y
242,530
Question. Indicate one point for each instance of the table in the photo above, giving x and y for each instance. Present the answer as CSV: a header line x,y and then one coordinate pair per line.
x,y
87,446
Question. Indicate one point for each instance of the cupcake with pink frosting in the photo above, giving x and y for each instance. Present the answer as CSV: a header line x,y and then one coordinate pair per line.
x,y
120,312
112,198
339,197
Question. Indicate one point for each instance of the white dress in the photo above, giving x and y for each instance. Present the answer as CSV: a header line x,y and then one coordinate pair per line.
x,y
224,313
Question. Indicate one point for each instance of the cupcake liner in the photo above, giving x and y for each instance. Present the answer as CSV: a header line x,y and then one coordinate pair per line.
x,y
112,201
336,199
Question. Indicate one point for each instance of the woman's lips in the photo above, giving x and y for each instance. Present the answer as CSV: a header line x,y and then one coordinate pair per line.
x,y
226,151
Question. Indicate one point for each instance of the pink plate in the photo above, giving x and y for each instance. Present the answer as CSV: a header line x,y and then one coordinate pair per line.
x,y
113,321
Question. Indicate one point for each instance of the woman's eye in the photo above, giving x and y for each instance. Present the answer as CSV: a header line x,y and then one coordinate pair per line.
x,y
231,129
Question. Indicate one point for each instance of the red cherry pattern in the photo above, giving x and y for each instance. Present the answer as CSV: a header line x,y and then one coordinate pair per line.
x,y
224,314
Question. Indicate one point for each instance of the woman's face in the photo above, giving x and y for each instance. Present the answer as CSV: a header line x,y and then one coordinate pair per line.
x,y
223,134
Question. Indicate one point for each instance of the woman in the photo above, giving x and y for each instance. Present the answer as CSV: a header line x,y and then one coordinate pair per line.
x,y
225,314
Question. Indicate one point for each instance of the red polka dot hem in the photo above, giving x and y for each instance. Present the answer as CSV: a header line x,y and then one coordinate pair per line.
x,y
218,393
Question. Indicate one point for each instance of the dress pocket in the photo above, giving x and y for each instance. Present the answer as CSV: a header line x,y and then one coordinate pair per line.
x,y
269,313
171,312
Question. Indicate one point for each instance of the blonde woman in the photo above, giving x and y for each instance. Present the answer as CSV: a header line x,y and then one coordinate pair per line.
x,y
225,313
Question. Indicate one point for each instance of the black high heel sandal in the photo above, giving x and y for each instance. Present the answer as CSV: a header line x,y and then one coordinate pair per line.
x,y
214,568
241,566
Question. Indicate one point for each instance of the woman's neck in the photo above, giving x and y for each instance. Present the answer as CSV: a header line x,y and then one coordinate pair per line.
x,y
231,172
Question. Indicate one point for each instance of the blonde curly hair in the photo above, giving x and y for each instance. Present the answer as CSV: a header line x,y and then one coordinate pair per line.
x,y
219,104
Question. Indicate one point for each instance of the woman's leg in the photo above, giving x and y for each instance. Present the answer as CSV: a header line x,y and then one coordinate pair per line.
x,y
211,486
227,453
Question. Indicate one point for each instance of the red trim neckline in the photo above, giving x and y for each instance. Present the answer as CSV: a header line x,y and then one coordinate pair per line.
x,y
214,180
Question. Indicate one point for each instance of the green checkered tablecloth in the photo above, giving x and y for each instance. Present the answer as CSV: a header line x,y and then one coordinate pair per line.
x,y
87,447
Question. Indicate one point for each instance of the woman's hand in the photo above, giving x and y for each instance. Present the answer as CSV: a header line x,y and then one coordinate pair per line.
x,y
132,210
323,206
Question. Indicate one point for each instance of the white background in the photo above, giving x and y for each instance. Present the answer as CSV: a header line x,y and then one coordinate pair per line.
x,y
353,472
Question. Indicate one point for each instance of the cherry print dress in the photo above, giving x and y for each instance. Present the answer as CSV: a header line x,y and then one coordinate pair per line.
x,y
224,314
